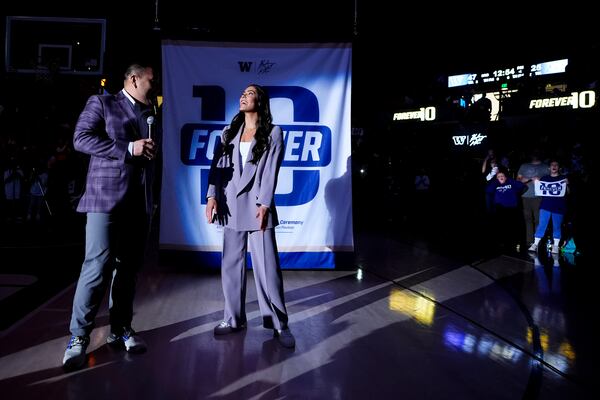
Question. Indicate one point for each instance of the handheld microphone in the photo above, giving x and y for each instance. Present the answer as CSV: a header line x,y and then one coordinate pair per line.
x,y
150,121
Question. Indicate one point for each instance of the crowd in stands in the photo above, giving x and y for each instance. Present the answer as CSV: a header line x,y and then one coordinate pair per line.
x,y
432,187
42,175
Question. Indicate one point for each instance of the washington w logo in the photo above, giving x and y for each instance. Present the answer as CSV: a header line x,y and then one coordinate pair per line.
x,y
245,66
264,66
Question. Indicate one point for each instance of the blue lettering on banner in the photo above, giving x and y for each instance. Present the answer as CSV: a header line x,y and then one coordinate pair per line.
x,y
198,143
288,222
304,145
552,189
201,143
306,105
213,109
305,188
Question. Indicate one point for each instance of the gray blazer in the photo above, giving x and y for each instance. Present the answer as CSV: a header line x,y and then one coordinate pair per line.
x,y
239,191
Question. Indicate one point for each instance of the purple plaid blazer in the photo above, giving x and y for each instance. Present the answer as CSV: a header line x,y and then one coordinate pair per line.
x,y
104,129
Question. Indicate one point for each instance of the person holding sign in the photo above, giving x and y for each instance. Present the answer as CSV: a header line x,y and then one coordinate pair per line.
x,y
552,189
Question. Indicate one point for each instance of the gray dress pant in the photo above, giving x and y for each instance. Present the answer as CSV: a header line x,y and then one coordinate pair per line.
x,y
267,275
531,215
114,253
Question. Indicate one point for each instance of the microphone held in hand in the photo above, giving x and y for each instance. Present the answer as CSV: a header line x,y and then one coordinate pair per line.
x,y
150,121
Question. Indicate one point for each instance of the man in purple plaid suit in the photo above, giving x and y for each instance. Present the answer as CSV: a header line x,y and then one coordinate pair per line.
x,y
119,134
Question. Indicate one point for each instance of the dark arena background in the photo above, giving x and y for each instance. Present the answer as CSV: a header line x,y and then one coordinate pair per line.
x,y
433,301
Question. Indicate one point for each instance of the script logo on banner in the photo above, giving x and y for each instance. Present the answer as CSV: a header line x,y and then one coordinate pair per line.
x,y
468,140
306,145
261,67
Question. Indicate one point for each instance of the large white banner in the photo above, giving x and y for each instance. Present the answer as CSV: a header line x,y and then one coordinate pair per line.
x,y
550,189
309,86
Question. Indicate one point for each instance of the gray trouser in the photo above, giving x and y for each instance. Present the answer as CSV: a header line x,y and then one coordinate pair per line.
x,y
267,275
114,253
531,214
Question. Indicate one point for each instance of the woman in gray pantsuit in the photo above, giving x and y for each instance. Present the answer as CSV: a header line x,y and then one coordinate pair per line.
x,y
241,194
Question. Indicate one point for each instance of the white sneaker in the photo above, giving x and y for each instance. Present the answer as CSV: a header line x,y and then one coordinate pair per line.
x,y
132,342
555,249
75,354
533,247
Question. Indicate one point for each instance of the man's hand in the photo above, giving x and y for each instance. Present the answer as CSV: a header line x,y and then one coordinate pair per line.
x,y
144,148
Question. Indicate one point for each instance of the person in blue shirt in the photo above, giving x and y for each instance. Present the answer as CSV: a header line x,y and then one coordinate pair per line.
x,y
553,206
506,198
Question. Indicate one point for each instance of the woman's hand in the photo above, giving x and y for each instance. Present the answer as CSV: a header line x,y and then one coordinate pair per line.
x,y
211,209
262,214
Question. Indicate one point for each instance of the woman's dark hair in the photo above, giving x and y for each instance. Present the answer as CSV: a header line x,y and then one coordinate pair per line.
x,y
263,128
